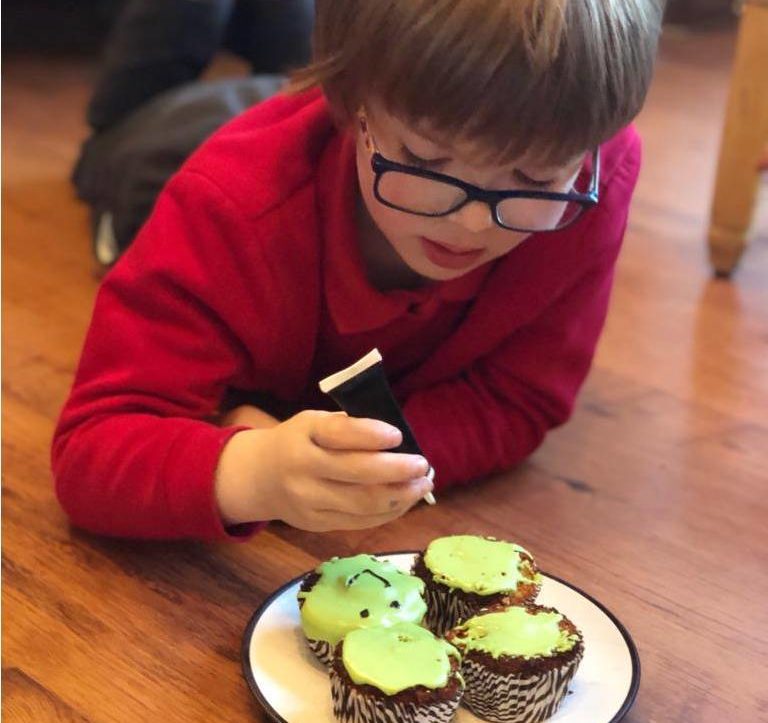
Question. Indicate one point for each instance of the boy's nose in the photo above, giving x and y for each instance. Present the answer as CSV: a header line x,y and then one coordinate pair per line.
x,y
475,217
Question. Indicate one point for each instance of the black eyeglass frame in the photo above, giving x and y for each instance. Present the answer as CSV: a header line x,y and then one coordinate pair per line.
x,y
590,199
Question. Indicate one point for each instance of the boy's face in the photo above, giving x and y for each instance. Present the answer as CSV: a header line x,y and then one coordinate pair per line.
x,y
450,246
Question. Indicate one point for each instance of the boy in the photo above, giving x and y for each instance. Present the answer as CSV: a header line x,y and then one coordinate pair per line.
x,y
455,196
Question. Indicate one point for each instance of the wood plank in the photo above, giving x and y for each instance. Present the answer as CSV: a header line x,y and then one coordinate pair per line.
x,y
24,699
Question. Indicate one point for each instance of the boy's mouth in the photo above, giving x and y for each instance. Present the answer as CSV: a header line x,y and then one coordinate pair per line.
x,y
447,256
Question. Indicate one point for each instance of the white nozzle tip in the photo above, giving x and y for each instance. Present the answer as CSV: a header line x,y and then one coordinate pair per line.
x,y
334,380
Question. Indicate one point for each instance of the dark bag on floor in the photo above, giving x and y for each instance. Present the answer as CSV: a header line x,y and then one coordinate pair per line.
x,y
121,170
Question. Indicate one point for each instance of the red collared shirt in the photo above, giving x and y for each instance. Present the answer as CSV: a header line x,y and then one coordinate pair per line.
x,y
248,276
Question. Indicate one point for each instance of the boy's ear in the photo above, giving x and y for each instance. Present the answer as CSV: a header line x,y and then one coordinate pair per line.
x,y
363,121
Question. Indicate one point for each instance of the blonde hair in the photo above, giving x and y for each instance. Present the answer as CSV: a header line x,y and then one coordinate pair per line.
x,y
551,77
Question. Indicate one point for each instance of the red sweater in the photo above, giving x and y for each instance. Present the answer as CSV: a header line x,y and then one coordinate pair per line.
x,y
247,276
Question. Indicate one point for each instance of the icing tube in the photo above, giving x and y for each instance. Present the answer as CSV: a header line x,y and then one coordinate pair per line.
x,y
362,390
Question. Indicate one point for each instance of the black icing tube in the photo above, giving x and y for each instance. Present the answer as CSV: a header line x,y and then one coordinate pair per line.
x,y
362,390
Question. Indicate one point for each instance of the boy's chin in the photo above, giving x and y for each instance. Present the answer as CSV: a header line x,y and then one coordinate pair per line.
x,y
433,272
426,269
446,274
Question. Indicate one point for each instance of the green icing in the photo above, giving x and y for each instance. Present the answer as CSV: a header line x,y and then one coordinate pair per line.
x,y
359,591
515,631
399,657
478,564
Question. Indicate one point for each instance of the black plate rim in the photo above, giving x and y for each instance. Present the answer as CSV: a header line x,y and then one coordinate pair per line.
x,y
245,657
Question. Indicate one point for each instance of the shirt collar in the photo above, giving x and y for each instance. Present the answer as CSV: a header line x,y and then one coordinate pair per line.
x,y
354,304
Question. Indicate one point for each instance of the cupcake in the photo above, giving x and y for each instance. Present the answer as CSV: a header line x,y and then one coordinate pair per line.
x,y
356,592
517,662
401,673
465,573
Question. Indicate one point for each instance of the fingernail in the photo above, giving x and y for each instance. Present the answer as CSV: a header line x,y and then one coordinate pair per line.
x,y
423,485
391,431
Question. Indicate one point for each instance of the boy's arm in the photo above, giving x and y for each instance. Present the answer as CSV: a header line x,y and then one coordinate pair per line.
x,y
204,301
499,410
134,453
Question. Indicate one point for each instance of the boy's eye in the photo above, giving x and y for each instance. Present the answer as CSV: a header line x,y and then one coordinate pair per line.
x,y
528,181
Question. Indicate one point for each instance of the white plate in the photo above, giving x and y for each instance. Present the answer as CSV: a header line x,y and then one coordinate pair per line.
x,y
293,686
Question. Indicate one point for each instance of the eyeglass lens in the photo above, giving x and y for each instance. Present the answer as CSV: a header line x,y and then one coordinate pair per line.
x,y
431,197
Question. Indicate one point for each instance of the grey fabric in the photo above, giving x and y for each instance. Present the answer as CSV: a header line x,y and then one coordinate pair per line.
x,y
149,112
122,169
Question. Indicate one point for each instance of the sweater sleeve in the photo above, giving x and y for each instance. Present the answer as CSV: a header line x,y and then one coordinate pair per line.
x,y
498,411
133,454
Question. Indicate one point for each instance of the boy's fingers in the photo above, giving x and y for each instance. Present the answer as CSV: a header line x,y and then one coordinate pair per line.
x,y
372,500
332,520
371,468
338,431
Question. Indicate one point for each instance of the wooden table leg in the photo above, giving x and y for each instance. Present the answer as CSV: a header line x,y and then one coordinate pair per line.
x,y
744,137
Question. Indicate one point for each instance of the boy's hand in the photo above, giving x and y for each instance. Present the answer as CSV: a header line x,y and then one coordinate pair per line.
x,y
320,471
249,416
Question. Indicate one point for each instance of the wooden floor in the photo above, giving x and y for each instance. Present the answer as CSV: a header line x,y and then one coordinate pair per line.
x,y
674,415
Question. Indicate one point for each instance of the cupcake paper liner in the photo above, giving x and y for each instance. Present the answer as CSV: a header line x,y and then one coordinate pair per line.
x,y
446,609
351,705
322,649
512,699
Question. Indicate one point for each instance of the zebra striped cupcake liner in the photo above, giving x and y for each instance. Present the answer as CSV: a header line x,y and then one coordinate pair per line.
x,y
352,705
516,699
322,649
446,609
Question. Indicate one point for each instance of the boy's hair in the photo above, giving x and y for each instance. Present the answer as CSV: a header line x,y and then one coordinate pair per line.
x,y
551,77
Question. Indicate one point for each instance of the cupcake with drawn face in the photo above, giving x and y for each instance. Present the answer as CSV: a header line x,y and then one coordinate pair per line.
x,y
465,573
347,593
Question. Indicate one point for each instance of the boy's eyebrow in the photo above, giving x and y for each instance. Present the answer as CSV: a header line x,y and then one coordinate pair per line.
x,y
550,170
546,175
432,161
523,165
414,134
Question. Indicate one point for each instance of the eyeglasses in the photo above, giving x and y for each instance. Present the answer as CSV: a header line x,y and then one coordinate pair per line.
x,y
422,192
